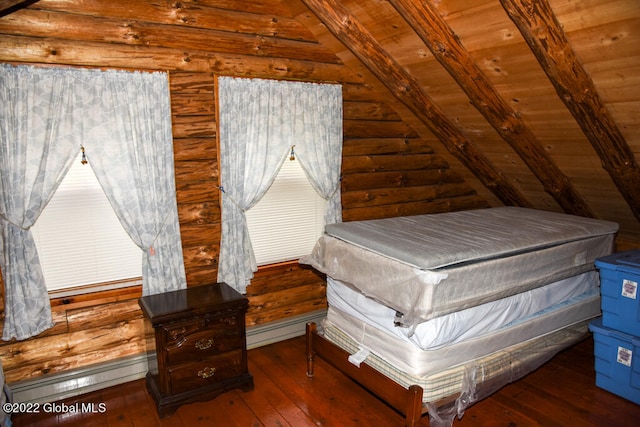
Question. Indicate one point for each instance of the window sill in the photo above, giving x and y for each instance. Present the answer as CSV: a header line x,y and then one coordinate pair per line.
x,y
103,293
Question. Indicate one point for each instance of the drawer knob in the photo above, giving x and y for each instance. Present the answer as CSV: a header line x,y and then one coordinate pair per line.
x,y
177,332
206,372
204,344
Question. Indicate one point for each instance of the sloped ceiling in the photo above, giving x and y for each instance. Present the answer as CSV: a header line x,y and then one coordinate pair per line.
x,y
535,102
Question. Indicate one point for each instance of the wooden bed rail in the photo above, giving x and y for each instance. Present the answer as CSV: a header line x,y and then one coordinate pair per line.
x,y
406,401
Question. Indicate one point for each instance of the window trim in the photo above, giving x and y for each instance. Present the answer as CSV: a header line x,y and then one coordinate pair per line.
x,y
95,288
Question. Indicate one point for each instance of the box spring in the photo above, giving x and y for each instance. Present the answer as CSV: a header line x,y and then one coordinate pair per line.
x,y
415,361
497,369
472,322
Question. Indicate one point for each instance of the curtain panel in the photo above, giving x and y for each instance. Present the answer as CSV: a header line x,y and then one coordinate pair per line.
x,y
129,145
40,135
123,121
259,121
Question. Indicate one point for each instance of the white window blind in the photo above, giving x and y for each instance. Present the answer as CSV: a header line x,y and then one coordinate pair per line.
x,y
79,238
286,223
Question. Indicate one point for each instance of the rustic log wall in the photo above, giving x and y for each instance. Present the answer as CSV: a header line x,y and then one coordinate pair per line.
x,y
388,168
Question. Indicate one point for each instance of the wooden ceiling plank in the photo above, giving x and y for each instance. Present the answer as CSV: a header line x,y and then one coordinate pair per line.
x,y
544,35
408,91
446,47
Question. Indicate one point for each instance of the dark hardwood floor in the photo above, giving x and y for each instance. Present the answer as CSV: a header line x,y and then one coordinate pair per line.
x,y
561,393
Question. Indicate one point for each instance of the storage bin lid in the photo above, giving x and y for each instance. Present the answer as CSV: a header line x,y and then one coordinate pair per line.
x,y
596,326
633,260
629,258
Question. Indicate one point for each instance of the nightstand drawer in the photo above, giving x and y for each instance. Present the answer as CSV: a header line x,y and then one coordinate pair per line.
x,y
192,376
199,349
175,332
228,325
202,344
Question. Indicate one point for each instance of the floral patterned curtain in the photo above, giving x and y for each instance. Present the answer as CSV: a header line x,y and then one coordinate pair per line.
x,y
130,148
259,122
39,138
123,120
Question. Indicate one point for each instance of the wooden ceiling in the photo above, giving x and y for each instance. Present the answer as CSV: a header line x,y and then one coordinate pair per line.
x,y
535,99
535,102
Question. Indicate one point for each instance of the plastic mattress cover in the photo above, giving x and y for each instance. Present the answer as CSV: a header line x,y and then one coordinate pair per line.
x,y
420,294
465,324
472,380
435,241
411,359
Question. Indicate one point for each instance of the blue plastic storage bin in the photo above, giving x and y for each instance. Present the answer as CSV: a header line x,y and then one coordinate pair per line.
x,y
617,361
619,279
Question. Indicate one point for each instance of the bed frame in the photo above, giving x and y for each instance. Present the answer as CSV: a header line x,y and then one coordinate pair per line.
x,y
406,401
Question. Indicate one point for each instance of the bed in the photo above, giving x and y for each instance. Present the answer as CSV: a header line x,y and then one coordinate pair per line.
x,y
435,312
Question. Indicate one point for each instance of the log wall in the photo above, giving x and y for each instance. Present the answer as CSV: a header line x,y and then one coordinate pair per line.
x,y
388,168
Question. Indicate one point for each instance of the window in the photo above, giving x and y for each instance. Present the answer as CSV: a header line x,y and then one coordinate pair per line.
x,y
258,121
80,240
286,223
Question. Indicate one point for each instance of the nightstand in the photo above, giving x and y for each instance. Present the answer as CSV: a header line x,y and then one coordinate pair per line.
x,y
196,344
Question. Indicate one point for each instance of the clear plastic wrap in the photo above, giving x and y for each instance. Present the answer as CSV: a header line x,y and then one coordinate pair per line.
x,y
469,382
421,295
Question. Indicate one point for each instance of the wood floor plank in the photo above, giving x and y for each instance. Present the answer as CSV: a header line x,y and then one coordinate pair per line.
x,y
604,408
227,409
142,409
117,411
272,406
561,393
533,406
498,415
343,400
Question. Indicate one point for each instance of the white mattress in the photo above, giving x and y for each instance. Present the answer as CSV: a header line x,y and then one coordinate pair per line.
x,y
422,294
409,358
466,324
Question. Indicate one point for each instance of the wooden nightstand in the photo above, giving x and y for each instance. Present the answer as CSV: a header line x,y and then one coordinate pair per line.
x,y
196,344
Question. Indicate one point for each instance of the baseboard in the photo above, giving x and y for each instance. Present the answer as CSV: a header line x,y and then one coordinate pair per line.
x,y
261,335
54,387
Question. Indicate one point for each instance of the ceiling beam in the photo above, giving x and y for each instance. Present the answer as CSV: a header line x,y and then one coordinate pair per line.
x,y
408,91
10,6
446,47
544,35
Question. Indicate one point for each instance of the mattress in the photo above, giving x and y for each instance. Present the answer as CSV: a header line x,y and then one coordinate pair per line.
x,y
440,240
476,378
411,359
427,266
466,324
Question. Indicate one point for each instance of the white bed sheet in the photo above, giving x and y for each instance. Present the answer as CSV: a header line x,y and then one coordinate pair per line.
x,y
411,359
466,324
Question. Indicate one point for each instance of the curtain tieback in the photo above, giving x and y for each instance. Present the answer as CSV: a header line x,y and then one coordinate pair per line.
x,y
16,225
231,199
335,189
151,250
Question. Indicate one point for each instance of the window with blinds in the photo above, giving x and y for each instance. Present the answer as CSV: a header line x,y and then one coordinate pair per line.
x,y
79,238
286,223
